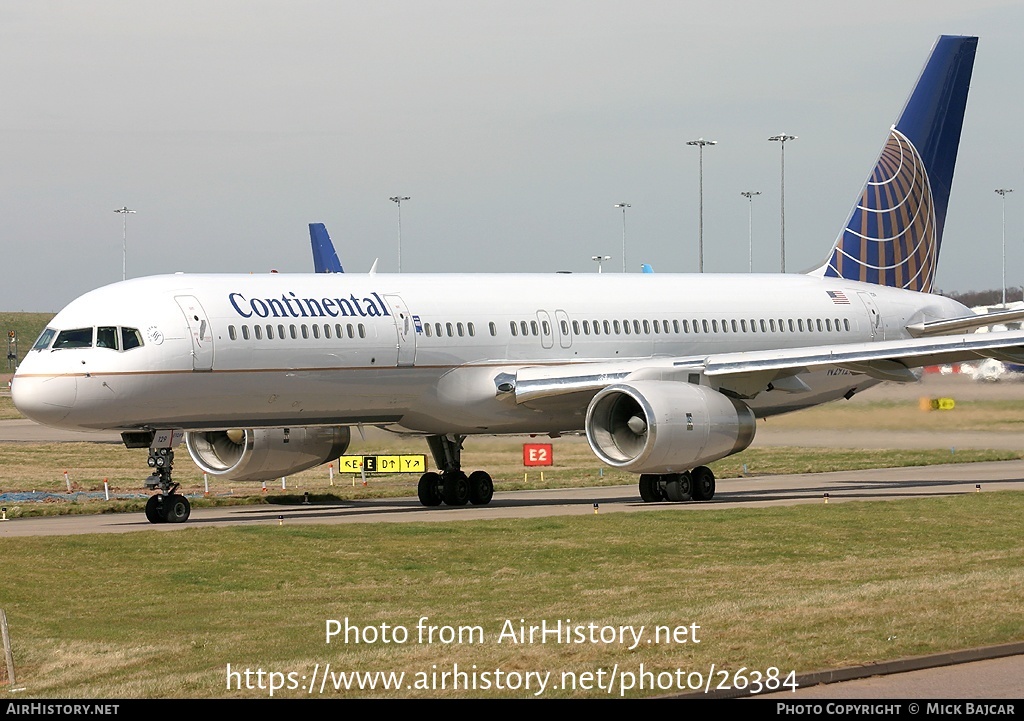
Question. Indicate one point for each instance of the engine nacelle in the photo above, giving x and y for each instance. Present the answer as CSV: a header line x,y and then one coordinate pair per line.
x,y
263,454
665,426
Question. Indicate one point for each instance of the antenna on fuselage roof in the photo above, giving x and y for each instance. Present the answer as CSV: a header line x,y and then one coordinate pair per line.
x,y
373,268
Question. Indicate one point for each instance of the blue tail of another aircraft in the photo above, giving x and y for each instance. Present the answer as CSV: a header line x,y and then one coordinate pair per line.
x,y
325,257
894,232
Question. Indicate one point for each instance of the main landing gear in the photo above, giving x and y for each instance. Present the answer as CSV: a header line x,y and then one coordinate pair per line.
x,y
167,506
452,486
695,485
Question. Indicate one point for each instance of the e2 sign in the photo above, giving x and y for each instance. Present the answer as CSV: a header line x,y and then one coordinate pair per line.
x,y
537,454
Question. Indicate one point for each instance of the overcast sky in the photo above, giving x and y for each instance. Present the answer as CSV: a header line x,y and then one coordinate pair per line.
x,y
514,128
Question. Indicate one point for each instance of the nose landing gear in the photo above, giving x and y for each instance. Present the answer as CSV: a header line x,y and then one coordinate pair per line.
x,y
167,506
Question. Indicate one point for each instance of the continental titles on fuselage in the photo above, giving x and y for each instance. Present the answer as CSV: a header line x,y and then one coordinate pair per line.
x,y
290,305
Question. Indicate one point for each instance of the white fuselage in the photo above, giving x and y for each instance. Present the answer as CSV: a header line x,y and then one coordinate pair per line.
x,y
421,352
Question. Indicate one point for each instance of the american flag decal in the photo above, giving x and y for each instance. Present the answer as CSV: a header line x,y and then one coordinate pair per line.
x,y
838,297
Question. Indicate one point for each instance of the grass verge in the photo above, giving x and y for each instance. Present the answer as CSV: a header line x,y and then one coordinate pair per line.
x,y
26,327
797,588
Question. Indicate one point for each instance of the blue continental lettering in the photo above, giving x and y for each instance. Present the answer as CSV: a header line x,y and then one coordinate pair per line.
x,y
276,307
290,305
371,307
288,302
383,308
344,307
231,299
313,307
259,307
292,293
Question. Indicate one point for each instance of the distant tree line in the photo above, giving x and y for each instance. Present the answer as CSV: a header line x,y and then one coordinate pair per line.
x,y
972,298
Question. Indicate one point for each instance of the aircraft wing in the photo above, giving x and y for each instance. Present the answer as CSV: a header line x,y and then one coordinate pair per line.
x,y
748,373
886,360
958,325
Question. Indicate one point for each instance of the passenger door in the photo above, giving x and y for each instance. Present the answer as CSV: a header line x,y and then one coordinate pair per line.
x,y
199,328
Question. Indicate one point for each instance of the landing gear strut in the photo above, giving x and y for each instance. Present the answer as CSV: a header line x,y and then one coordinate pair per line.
x,y
695,485
168,506
452,486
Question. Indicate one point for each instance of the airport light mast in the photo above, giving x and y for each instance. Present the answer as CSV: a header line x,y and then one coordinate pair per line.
x,y
600,259
623,206
749,195
124,211
700,143
1003,192
398,199
782,138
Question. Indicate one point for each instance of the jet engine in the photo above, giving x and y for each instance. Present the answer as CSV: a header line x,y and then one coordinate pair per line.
x,y
653,426
263,454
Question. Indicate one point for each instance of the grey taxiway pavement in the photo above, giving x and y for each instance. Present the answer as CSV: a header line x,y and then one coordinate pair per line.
x,y
839,487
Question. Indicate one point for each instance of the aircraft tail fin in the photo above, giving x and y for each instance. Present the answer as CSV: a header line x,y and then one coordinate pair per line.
x,y
894,232
325,257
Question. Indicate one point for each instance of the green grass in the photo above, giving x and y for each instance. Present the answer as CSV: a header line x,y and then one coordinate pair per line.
x,y
800,588
26,326
7,409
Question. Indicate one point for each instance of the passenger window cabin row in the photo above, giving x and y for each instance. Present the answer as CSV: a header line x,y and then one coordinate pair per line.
x,y
684,326
533,327
294,332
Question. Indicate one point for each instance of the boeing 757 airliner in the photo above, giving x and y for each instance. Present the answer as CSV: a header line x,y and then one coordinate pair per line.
x,y
264,375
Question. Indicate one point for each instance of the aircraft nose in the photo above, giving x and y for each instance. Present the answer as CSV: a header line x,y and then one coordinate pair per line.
x,y
46,400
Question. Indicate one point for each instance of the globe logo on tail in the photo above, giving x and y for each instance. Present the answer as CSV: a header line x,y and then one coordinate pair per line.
x,y
891,236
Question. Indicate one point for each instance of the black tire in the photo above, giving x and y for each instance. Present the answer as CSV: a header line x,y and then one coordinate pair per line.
x,y
481,488
155,509
429,489
177,509
649,490
679,487
703,483
455,488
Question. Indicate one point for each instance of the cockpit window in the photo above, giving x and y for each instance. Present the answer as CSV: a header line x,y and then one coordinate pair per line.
x,y
112,337
106,337
44,339
130,338
77,338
